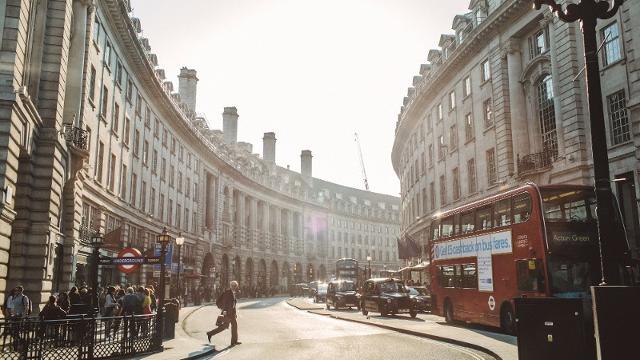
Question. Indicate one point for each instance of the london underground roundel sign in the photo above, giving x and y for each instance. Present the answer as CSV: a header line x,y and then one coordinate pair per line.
x,y
126,253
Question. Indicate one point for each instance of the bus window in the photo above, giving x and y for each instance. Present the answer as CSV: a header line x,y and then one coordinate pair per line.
x,y
530,275
446,226
469,276
564,206
483,218
435,230
458,279
502,213
447,276
456,224
467,222
521,208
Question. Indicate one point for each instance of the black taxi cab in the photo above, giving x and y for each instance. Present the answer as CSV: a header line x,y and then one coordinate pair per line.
x,y
341,294
386,296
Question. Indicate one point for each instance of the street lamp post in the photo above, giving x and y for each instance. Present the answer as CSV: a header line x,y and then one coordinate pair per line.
x,y
588,12
164,239
96,240
369,262
179,243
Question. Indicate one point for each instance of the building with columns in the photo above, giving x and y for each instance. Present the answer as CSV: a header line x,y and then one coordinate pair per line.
x,y
96,140
502,101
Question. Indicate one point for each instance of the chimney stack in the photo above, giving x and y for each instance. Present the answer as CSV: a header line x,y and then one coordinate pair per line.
x,y
269,147
187,87
230,124
305,163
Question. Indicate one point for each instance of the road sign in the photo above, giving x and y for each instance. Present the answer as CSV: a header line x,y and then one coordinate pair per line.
x,y
128,267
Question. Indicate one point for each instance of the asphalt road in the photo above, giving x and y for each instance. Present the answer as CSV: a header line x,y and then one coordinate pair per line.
x,y
271,329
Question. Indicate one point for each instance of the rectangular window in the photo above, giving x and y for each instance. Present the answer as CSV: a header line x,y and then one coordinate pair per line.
x,y
163,169
483,218
486,70
100,162
123,183
447,276
430,155
179,181
129,90
152,202
112,172
145,153
170,213
136,143
618,118
195,192
147,117
491,167
429,123
488,113
612,48
138,104
468,127
161,208
471,175
469,276
187,188
165,135
466,86
107,55
453,137
502,213
186,219
154,161
441,147
134,189
143,197
116,118
156,127
105,103
119,73
194,222
173,144
439,111
178,215
125,134
538,43
456,184
171,175
443,190
467,222
92,85
432,195
521,208
96,31
452,100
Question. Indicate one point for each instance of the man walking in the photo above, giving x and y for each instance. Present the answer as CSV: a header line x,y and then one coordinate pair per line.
x,y
227,303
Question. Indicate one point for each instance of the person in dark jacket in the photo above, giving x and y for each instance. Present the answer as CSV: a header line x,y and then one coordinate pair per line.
x,y
227,303
52,311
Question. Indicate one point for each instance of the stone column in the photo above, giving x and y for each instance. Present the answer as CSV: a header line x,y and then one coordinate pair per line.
x,y
517,104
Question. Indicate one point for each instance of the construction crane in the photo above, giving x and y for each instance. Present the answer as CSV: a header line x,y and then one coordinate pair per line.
x,y
364,172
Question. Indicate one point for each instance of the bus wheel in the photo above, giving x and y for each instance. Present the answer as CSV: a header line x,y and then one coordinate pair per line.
x,y
448,311
507,320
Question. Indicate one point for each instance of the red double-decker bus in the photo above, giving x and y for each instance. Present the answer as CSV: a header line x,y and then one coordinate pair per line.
x,y
529,241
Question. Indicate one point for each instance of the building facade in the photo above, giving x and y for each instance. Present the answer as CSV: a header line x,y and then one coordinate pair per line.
x,y
96,140
503,101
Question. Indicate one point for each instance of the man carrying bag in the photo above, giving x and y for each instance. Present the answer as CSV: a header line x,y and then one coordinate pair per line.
x,y
227,303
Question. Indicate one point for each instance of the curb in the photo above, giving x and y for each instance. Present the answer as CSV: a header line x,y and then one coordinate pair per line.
x,y
202,354
412,332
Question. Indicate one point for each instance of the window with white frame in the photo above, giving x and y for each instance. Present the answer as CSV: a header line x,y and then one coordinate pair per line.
x,y
546,115
486,70
488,113
538,43
466,86
618,118
468,127
452,100
612,49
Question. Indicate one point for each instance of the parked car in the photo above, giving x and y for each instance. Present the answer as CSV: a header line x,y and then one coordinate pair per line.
x,y
386,296
312,288
342,293
420,297
301,289
321,293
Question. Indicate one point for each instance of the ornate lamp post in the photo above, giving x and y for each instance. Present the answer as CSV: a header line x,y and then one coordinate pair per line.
x,y
179,243
164,239
588,12
369,262
96,241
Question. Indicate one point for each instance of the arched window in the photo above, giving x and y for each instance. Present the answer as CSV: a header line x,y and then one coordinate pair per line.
x,y
546,115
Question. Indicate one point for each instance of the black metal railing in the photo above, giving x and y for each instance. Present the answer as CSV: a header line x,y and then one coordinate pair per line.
x,y
537,161
75,136
78,337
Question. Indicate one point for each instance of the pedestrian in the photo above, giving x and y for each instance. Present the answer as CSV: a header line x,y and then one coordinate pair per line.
x,y
227,303
63,301
21,305
51,311
109,307
8,304
74,296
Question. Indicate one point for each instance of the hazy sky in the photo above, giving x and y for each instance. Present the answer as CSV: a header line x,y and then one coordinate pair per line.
x,y
313,72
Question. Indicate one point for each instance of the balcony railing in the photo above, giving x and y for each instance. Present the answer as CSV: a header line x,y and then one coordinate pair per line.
x,y
536,162
76,137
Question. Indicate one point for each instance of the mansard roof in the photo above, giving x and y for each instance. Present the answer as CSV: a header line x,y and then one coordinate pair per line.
x,y
446,40
434,55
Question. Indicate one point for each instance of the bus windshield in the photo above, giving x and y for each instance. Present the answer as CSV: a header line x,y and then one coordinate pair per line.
x,y
575,205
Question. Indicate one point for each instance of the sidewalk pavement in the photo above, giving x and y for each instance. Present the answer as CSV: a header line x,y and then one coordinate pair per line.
x,y
183,346
499,345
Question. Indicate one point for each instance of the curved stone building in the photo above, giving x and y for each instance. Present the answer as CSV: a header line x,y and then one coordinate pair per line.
x,y
502,100
98,141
